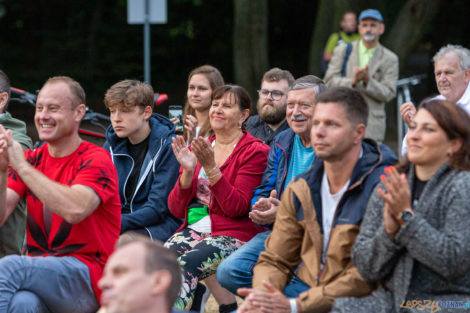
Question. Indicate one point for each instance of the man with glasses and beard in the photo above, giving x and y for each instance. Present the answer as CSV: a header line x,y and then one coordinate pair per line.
x,y
368,67
271,118
291,154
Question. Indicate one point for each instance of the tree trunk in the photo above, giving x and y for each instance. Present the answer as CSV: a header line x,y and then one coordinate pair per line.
x,y
250,43
410,25
329,14
95,23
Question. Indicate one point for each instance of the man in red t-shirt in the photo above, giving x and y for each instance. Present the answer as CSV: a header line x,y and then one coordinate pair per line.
x,y
73,203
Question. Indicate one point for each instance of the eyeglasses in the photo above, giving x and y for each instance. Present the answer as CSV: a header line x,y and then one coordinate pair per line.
x,y
275,94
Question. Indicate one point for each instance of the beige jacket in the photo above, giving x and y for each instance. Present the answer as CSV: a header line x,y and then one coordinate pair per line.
x,y
381,88
296,242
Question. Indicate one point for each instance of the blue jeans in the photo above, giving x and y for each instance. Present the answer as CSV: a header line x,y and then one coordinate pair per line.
x,y
295,287
45,285
236,271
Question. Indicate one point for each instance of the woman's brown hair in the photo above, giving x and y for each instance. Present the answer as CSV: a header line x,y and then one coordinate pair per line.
x,y
455,122
238,94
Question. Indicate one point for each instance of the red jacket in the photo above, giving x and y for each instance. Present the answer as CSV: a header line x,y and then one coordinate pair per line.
x,y
231,196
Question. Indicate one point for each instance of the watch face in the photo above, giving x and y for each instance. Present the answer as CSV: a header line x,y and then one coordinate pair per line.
x,y
406,215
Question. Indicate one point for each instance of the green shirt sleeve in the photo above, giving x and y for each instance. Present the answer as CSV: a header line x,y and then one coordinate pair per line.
x,y
331,43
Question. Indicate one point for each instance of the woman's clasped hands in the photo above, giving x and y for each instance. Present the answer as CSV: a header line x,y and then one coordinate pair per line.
x,y
397,198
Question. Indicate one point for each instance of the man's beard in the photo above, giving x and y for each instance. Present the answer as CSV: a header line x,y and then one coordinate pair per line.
x,y
271,116
368,37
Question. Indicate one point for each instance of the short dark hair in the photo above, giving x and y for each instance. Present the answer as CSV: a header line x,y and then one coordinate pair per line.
x,y
129,93
76,90
5,86
356,107
276,74
158,257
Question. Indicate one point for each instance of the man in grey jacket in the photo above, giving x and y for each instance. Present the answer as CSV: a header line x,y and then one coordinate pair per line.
x,y
368,67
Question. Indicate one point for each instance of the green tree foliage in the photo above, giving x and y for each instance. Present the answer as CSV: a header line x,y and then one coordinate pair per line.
x,y
92,42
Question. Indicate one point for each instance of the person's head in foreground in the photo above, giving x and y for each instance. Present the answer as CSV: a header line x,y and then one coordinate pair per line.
x,y
140,276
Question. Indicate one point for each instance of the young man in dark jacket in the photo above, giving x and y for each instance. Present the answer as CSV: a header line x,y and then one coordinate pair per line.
x,y
140,145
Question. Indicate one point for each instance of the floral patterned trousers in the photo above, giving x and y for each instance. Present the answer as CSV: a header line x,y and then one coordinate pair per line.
x,y
199,254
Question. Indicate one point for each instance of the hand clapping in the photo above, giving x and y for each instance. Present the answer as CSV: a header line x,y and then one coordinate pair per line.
x,y
185,157
397,197
204,152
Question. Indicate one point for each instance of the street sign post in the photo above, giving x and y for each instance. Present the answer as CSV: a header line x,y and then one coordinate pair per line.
x,y
146,12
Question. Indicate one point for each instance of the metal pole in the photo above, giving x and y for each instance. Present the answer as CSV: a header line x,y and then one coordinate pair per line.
x,y
399,120
147,43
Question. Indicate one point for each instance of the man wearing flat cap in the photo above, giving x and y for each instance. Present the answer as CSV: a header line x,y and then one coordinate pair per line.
x,y
368,67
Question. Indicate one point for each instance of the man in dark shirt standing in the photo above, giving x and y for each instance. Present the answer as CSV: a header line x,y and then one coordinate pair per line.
x,y
272,101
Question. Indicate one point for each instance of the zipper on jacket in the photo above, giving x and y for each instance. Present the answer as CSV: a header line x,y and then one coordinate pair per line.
x,y
127,178
353,186
320,272
151,164
281,188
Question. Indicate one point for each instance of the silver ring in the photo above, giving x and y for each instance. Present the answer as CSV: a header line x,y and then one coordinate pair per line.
x,y
10,144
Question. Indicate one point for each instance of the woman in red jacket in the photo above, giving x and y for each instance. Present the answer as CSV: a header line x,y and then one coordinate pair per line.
x,y
214,191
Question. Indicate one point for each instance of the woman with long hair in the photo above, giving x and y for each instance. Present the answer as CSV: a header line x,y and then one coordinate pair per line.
x,y
213,193
202,81
413,240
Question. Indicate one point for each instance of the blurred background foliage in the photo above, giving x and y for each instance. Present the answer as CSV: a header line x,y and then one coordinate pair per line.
x,y
92,42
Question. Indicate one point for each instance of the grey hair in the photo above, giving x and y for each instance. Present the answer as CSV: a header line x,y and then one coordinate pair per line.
x,y
461,52
309,81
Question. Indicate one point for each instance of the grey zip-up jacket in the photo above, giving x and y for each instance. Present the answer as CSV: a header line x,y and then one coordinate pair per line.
x,y
429,258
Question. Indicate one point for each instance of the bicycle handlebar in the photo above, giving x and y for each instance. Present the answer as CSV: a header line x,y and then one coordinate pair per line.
x,y
93,117
24,96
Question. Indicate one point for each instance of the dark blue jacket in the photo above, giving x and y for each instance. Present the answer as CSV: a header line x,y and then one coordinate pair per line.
x,y
158,175
261,130
275,174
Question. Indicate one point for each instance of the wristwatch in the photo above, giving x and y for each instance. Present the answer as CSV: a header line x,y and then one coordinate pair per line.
x,y
406,215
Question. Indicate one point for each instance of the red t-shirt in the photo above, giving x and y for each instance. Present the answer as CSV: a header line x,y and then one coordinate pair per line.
x,y
93,239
